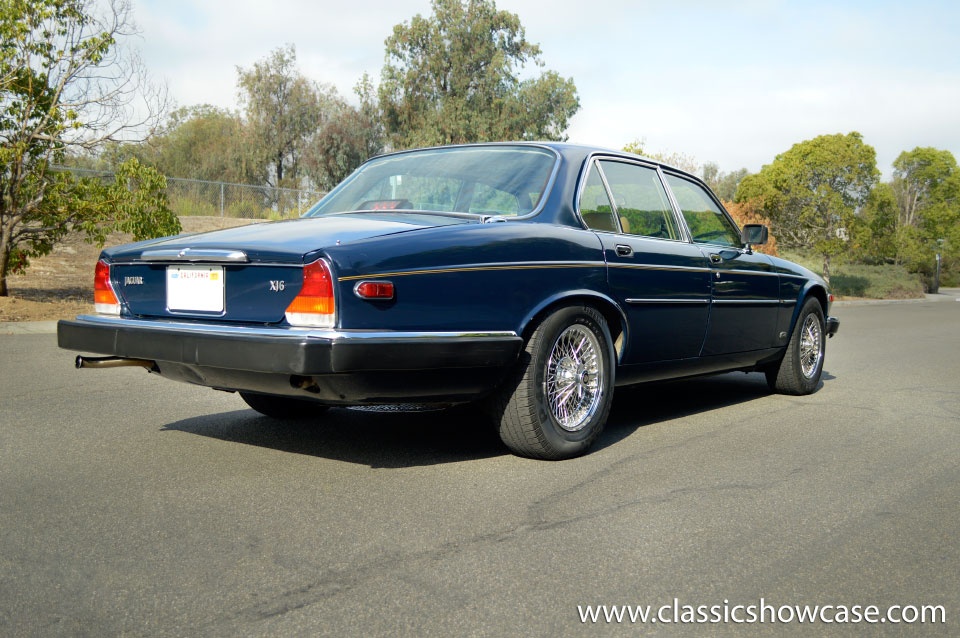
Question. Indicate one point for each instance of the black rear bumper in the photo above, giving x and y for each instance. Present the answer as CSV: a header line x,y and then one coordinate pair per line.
x,y
286,350
330,365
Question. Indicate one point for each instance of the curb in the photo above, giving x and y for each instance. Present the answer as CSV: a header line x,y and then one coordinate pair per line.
x,y
873,302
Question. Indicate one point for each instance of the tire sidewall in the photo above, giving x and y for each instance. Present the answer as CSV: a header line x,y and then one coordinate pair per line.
x,y
564,441
812,306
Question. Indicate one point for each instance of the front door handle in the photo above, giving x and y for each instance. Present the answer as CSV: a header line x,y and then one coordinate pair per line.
x,y
716,259
624,251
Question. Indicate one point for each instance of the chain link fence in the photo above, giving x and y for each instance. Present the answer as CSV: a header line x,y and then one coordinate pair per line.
x,y
224,199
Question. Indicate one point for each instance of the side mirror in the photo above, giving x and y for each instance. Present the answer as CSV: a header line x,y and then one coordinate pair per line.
x,y
754,234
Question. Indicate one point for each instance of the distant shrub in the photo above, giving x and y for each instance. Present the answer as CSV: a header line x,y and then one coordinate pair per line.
x,y
747,213
878,282
184,206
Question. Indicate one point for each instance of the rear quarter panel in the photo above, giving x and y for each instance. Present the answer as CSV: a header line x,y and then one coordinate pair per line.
x,y
469,277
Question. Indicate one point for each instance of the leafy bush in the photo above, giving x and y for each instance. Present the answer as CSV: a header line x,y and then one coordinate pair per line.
x,y
186,206
246,209
885,281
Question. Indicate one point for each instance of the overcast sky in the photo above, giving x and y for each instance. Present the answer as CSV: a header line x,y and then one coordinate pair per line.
x,y
730,82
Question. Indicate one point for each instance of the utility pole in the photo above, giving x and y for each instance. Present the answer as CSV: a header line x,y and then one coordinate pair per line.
x,y
936,281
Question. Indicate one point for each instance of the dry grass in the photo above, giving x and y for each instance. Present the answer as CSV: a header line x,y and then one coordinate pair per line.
x,y
60,285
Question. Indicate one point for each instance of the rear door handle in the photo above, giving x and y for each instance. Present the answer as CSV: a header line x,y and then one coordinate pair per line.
x,y
624,251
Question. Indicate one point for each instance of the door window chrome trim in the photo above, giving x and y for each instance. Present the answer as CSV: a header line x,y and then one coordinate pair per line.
x,y
594,158
699,182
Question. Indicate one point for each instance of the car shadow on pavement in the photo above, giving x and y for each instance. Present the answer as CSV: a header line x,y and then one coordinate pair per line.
x,y
379,439
392,438
635,407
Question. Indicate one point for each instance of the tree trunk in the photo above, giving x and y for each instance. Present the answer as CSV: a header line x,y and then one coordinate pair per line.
x,y
826,268
6,250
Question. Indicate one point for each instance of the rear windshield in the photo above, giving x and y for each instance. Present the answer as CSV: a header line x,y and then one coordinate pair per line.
x,y
494,180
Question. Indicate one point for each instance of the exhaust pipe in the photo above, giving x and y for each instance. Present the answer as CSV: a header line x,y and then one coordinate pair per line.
x,y
115,362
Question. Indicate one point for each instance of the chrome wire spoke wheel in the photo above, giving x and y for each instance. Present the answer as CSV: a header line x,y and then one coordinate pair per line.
x,y
811,346
573,383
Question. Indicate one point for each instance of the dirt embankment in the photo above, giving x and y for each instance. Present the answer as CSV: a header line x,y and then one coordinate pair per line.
x,y
60,285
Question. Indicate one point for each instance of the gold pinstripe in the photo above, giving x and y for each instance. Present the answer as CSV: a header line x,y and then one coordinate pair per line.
x,y
404,273
434,271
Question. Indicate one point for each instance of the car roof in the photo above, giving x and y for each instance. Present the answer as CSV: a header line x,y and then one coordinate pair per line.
x,y
568,150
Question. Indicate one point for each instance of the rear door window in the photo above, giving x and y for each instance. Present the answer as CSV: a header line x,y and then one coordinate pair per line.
x,y
595,207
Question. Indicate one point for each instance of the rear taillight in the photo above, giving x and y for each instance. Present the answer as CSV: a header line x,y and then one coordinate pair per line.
x,y
314,306
104,299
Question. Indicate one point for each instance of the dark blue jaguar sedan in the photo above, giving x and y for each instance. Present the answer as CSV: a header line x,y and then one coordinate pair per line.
x,y
530,278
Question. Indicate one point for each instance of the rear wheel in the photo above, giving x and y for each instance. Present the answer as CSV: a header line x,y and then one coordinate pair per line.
x,y
557,402
283,408
802,364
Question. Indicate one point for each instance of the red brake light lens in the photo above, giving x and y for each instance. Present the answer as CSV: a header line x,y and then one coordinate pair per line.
x,y
374,290
104,299
314,305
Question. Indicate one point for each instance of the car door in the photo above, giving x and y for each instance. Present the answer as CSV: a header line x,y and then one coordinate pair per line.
x,y
745,293
660,280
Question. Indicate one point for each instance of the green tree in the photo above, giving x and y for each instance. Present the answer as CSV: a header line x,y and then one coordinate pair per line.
x,y
814,190
676,159
926,184
875,228
284,109
66,84
727,184
207,142
453,77
348,138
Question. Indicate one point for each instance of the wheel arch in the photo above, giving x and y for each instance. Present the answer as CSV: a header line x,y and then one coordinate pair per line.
x,y
615,316
812,289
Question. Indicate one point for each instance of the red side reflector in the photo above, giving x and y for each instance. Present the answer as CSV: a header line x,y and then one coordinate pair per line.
x,y
374,290
831,298
314,306
104,299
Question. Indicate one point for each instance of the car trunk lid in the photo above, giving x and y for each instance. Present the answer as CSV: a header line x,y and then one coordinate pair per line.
x,y
243,274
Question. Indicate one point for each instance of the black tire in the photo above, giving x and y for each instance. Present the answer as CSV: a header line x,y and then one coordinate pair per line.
x,y
521,410
787,376
283,408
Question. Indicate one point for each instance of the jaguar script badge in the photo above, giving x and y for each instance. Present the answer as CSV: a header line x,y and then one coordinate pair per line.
x,y
133,281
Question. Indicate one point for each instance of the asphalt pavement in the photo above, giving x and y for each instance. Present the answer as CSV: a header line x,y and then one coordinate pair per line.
x,y
135,506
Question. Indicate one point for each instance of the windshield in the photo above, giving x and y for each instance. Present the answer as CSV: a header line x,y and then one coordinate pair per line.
x,y
489,180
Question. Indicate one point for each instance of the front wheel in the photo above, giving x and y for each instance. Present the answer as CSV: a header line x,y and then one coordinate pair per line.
x,y
283,408
802,364
557,403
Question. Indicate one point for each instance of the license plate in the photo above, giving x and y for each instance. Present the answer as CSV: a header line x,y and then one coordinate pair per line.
x,y
195,288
